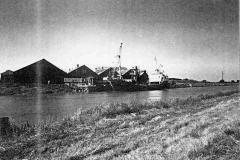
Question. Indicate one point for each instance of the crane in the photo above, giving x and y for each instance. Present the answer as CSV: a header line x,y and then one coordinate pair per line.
x,y
119,60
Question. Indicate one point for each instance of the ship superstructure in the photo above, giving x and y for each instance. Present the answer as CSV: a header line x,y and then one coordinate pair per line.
x,y
158,76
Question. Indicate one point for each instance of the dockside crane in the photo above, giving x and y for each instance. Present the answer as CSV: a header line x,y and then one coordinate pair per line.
x,y
119,60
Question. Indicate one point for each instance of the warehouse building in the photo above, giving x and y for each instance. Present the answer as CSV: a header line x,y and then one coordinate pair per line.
x,y
7,77
81,76
143,77
107,73
40,72
136,76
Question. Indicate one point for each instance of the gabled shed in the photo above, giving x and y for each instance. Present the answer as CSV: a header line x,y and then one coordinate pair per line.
x,y
106,73
40,72
84,74
131,75
7,77
143,77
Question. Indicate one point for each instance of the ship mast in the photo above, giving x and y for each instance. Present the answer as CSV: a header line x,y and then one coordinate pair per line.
x,y
156,63
119,60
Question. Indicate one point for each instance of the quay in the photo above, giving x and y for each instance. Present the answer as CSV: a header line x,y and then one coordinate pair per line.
x,y
83,79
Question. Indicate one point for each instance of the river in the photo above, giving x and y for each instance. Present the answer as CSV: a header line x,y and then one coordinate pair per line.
x,y
44,107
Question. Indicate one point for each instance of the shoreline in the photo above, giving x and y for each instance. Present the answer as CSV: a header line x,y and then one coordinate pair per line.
x,y
16,89
120,130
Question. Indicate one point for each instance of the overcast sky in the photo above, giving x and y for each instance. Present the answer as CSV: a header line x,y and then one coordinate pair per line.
x,y
196,39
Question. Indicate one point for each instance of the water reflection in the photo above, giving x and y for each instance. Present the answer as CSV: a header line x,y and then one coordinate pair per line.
x,y
158,95
35,108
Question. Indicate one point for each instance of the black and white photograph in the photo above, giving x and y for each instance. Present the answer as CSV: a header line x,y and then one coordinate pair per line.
x,y
119,80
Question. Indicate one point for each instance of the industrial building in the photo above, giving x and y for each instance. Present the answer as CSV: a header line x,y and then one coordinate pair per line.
x,y
135,75
105,73
81,76
131,75
40,72
7,77
143,77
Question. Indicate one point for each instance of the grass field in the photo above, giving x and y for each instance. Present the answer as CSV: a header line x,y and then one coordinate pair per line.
x,y
203,127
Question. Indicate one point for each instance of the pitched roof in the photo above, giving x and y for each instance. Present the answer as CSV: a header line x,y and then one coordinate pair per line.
x,y
78,73
125,71
7,72
141,73
78,68
102,70
42,61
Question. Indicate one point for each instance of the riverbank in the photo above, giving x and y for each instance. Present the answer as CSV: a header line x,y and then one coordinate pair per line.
x,y
186,84
181,128
27,89
16,89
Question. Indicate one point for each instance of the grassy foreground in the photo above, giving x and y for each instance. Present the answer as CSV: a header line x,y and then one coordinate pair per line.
x,y
203,127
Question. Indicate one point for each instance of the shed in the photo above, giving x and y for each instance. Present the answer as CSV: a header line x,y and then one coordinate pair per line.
x,y
40,72
7,77
143,77
85,73
104,74
131,75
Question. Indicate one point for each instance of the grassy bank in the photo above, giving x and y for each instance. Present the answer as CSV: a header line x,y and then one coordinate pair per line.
x,y
202,127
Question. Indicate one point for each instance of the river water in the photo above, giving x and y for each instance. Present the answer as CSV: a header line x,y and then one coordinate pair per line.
x,y
38,108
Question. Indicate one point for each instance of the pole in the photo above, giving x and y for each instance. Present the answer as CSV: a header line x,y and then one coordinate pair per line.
x,y
5,127
156,62
119,56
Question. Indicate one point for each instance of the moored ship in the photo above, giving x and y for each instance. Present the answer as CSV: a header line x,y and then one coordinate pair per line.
x,y
156,80
158,77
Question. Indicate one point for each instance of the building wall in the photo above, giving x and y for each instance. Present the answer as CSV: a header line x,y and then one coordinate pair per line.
x,y
131,75
40,72
143,79
127,75
104,74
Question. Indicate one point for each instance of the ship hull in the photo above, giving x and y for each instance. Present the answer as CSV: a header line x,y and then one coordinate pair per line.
x,y
130,87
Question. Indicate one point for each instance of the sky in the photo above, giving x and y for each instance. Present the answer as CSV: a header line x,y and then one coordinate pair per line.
x,y
195,39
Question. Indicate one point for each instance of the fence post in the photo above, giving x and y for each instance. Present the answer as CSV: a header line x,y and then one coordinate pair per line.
x,y
5,127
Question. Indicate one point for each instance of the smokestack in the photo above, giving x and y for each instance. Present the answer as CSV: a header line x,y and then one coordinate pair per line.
x,y
77,65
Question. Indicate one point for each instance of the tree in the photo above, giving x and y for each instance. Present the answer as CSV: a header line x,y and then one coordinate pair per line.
x,y
232,81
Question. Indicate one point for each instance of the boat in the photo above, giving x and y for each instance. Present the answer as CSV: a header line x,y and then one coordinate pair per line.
x,y
157,80
158,77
